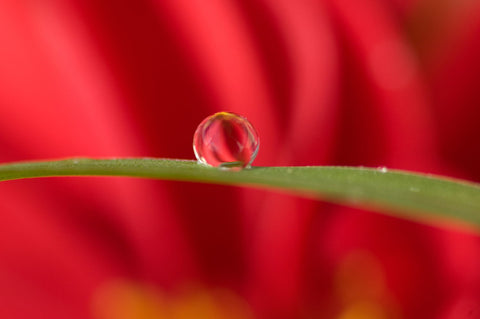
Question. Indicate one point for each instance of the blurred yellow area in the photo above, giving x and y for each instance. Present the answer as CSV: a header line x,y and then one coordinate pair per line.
x,y
120,299
364,310
360,286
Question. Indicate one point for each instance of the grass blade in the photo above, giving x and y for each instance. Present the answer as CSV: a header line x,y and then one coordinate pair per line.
x,y
403,194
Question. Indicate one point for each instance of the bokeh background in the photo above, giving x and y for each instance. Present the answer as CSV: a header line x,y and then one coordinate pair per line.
x,y
392,83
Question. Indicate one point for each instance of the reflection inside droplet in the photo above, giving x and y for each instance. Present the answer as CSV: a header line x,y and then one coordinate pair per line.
x,y
226,140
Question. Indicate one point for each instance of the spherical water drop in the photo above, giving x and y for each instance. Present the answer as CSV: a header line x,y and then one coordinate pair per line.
x,y
226,140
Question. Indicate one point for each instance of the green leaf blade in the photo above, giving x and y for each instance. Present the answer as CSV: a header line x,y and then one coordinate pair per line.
x,y
402,194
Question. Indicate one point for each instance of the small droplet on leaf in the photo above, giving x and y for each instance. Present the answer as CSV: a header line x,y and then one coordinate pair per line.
x,y
226,140
382,169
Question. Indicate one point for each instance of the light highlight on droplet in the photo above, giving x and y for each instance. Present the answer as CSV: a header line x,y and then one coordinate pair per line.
x,y
226,140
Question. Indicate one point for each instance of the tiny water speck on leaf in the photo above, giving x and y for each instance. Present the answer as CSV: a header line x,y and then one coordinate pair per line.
x,y
382,169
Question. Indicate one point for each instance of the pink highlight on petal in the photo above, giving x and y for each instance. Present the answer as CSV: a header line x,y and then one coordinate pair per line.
x,y
313,58
398,94
59,78
388,75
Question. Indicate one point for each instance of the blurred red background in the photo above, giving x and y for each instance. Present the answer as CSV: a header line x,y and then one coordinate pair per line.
x,y
325,82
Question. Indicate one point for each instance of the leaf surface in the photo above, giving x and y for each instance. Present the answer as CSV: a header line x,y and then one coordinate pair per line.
x,y
402,194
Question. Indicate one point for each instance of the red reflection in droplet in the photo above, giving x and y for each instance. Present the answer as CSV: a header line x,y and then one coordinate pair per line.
x,y
225,140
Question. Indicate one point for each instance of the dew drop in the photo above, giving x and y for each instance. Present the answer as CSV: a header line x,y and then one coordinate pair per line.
x,y
382,169
225,140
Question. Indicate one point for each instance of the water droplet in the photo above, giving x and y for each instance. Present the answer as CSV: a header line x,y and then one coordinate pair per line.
x,y
226,140
382,169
